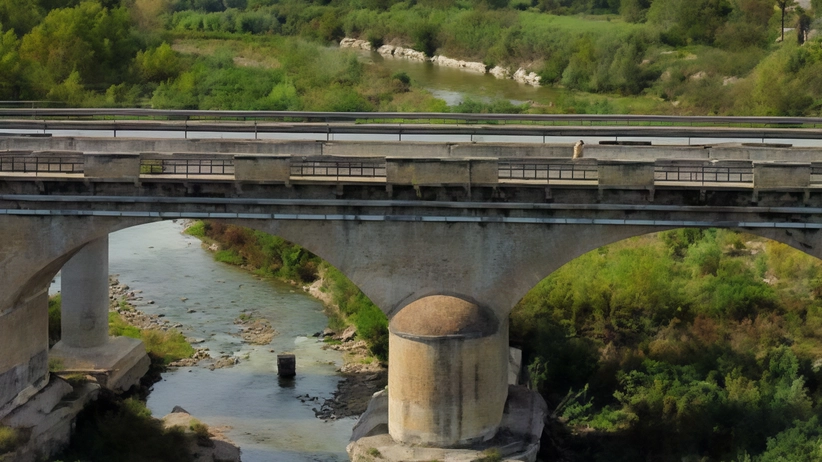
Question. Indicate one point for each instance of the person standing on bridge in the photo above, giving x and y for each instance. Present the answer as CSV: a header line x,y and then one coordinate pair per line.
x,y
578,149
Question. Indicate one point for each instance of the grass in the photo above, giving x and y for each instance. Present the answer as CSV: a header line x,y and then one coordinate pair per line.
x,y
164,347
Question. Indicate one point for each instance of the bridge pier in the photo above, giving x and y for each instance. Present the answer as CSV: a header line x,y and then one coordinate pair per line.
x,y
447,380
85,347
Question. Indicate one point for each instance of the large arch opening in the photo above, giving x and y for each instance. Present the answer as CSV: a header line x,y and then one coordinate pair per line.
x,y
168,274
689,344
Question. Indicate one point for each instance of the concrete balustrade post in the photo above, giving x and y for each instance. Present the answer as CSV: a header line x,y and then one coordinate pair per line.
x,y
447,380
84,320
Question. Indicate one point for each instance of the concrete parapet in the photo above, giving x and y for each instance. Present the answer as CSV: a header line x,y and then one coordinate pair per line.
x,y
637,153
769,175
262,168
115,166
736,151
625,174
421,172
380,149
447,383
515,150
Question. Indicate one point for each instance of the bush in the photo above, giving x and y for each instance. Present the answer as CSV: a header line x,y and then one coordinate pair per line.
x,y
55,319
9,439
114,429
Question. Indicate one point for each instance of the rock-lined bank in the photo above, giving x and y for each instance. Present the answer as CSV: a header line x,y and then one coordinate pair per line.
x,y
521,75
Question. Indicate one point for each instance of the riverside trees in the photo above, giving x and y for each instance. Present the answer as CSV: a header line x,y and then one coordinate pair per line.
x,y
687,345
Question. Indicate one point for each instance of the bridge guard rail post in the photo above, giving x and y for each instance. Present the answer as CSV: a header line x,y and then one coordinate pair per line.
x,y
262,168
124,166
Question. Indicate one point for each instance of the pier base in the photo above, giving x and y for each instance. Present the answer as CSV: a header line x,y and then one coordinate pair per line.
x,y
517,439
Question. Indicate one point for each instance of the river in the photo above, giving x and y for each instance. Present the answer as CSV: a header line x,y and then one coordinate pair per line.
x,y
267,419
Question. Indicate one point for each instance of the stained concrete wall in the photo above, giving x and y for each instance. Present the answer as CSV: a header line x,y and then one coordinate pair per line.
x,y
625,174
421,172
24,346
262,168
769,175
105,165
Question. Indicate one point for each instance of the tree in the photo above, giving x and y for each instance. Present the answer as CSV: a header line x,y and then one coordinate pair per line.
x,y
783,5
803,25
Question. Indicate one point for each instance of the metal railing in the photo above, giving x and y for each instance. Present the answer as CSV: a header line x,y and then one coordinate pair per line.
x,y
400,117
704,173
198,166
547,170
41,164
339,168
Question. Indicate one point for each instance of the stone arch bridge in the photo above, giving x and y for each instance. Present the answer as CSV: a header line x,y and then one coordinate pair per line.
x,y
444,238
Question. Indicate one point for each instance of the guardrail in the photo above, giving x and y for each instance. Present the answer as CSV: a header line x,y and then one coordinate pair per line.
x,y
41,164
548,170
399,117
187,167
704,173
339,169
254,123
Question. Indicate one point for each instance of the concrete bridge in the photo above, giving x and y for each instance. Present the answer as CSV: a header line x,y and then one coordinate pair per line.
x,y
445,238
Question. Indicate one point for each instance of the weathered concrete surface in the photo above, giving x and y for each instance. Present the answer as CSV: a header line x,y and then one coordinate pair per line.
x,y
106,165
447,378
518,439
47,420
262,168
447,171
24,347
625,174
84,286
117,364
773,176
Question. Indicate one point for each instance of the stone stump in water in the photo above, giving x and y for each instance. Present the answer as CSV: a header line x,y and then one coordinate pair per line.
x,y
286,365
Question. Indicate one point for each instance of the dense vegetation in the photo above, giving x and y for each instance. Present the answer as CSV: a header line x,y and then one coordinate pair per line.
x,y
661,56
687,345
112,428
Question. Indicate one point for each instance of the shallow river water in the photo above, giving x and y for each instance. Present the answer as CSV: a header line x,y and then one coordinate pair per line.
x,y
267,419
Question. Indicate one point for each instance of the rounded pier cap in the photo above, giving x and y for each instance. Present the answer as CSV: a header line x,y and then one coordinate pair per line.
x,y
443,316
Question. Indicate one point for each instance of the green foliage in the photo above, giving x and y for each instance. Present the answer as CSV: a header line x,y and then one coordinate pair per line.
x,y
9,439
229,256
725,371
158,64
111,428
55,319
164,347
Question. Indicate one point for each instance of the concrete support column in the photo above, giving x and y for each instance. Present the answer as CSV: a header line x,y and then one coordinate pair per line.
x,y
448,371
85,302
116,363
